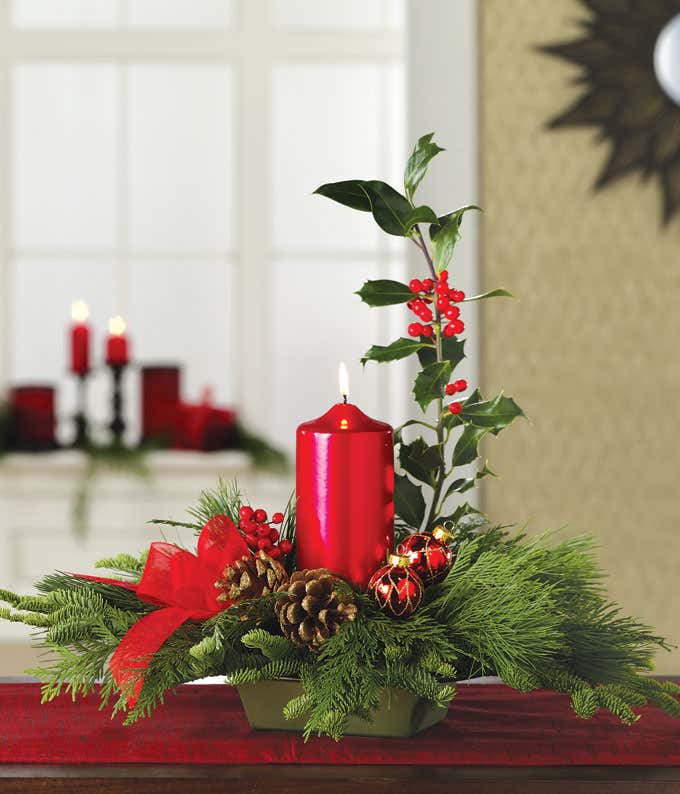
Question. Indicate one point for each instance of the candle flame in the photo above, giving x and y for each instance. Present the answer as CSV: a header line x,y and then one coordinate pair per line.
x,y
343,380
117,326
79,311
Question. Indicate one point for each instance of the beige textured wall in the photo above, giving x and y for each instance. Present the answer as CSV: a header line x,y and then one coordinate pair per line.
x,y
591,351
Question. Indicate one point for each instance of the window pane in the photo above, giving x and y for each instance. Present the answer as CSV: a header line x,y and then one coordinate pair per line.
x,y
180,157
337,327
65,13
179,13
64,159
326,127
332,14
182,312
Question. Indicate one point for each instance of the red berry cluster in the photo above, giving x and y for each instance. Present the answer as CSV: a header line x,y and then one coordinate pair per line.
x,y
454,388
260,534
445,296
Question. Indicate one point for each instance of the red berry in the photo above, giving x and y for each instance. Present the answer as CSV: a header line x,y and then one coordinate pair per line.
x,y
458,326
441,288
452,313
428,331
410,305
274,552
263,531
274,535
449,330
264,543
444,275
443,303
243,523
415,329
418,305
460,385
426,315
427,300
457,295
248,526
450,388
246,512
415,285
428,285
286,547
277,518
260,516
455,408
251,540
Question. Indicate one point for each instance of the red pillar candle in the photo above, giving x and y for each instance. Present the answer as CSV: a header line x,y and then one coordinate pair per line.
x,y
80,339
117,343
345,493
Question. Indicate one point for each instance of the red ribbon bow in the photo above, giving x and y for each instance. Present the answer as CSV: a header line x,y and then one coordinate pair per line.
x,y
183,585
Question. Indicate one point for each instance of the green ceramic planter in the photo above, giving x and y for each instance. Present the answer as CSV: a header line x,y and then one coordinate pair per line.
x,y
400,713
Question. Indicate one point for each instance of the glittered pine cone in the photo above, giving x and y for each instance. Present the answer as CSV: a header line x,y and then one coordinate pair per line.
x,y
313,606
251,576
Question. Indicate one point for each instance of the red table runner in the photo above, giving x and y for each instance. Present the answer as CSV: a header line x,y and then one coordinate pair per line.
x,y
488,725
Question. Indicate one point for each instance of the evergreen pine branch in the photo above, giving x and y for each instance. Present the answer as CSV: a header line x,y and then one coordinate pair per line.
x,y
225,499
124,563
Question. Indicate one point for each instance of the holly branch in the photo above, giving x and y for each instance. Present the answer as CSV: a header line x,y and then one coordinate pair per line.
x,y
435,340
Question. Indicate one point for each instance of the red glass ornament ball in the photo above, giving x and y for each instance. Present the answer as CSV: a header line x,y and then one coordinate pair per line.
x,y
429,557
396,588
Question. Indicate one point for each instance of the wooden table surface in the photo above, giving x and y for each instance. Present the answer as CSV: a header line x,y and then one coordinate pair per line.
x,y
358,779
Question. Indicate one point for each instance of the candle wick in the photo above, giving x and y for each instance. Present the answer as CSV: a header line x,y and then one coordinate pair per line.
x,y
344,399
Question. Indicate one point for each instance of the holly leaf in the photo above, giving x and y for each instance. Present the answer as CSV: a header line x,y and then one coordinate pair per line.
x,y
430,382
494,293
350,193
399,431
384,292
465,484
467,446
493,414
391,211
416,167
445,233
465,518
401,348
421,461
409,503
453,350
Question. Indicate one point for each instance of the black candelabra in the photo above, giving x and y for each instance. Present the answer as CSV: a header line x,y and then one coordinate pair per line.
x,y
117,425
82,435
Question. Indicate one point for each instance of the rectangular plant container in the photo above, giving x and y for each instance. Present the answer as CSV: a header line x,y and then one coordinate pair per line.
x,y
400,713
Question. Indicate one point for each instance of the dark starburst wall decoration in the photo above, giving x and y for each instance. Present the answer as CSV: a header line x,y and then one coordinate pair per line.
x,y
621,95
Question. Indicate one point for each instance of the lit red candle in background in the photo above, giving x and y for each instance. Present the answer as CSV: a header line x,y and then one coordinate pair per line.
x,y
80,339
117,343
345,492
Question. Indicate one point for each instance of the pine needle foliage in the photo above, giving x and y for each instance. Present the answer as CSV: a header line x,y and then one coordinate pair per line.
x,y
531,611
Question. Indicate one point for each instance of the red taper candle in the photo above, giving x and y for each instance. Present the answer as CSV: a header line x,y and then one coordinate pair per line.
x,y
117,343
345,492
80,339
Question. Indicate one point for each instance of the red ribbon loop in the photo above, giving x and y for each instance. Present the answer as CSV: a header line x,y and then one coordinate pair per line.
x,y
183,585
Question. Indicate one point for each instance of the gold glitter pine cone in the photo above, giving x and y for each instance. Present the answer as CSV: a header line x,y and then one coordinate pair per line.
x,y
251,576
313,606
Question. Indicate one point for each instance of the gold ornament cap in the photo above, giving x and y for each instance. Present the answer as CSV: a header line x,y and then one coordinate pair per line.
x,y
399,561
442,534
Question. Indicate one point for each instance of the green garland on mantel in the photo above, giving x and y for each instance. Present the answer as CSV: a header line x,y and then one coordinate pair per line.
x,y
533,611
